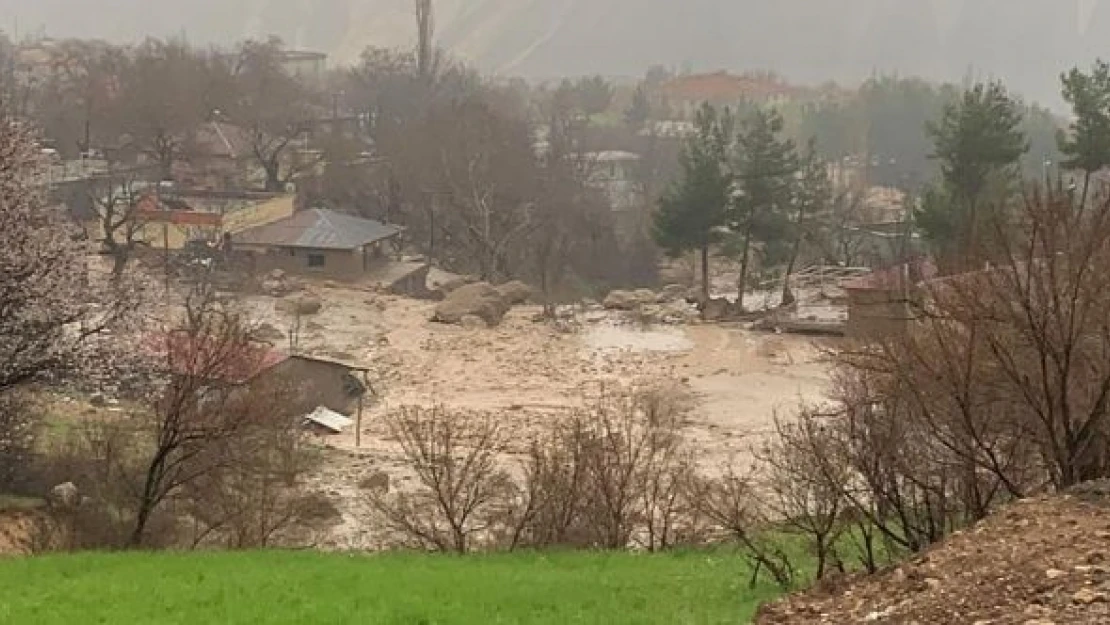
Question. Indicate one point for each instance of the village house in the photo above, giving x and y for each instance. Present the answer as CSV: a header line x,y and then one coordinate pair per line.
x,y
305,65
686,94
319,242
614,173
174,219
318,383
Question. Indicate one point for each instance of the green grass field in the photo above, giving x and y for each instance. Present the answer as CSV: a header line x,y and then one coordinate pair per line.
x,y
309,588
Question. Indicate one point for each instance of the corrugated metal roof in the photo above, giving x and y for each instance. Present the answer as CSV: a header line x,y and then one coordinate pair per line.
x,y
329,419
321,229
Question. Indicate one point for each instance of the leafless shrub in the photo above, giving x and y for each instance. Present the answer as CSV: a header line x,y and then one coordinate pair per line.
x,y
253,497
614,475
732,507
102,459
17,439
999,389
461,487
802,488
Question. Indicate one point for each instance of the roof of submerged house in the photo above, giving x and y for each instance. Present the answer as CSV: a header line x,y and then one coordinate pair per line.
x,y
320,228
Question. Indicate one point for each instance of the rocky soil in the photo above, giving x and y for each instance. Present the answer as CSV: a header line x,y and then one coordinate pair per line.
x,y
1038,562
529,371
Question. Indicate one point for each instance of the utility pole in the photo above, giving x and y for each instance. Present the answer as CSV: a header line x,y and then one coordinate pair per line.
x,y
425,33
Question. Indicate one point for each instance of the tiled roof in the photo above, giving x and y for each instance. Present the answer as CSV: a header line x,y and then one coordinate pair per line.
x,y
151,209
211,359
723,86
320,229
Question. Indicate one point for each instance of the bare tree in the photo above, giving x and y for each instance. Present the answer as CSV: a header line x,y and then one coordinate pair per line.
x,y
731,506
252,497
486,165
202,404
275,109
73,103
461,484
800,489
117,203
998,390
615,474
162,100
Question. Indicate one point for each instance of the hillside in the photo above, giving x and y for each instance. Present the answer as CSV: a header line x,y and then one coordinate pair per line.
x,y
1025,42
1038,562
278,588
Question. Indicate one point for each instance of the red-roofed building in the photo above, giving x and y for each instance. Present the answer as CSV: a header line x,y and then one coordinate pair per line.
x,y
173,218
319,382
687,93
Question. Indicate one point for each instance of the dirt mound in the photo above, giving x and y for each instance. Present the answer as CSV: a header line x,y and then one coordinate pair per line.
x,y
1037,562
479,300
300,305
629,300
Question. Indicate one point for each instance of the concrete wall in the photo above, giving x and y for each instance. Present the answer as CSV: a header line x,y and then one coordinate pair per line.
x,y
237,217
877,312
161,236
338,264
258,214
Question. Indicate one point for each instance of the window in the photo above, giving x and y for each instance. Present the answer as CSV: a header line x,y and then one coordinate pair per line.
x,y
317,260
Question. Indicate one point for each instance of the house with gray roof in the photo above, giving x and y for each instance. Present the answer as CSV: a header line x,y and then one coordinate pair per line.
x,y
319,242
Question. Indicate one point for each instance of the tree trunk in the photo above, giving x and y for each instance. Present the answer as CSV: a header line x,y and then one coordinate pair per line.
x,y
787,294
705,272
273,177
119,262
1086,188
742,283
142,515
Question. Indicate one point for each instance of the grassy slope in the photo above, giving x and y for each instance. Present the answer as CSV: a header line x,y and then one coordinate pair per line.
x,y
302,588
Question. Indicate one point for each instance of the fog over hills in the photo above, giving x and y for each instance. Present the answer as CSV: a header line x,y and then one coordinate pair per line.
x,y
1026,42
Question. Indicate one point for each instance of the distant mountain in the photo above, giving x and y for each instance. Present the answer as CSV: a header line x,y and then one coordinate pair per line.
x,y
1026,42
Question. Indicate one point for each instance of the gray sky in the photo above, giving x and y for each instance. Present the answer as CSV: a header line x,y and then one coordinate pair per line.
x,y
1025,42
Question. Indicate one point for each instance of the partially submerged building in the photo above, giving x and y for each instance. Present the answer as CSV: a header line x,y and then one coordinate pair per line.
x,y
174,220
320,242
887,301
336,386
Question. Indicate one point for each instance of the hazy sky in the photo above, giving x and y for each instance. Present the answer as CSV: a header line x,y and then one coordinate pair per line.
x,y
1026,42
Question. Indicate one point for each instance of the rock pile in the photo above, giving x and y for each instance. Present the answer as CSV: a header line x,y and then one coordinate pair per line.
x,y
1043,561
479,300
515,292
669,306
278,284
629,300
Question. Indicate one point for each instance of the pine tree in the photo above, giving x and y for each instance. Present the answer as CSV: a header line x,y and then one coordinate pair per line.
x,y
766,164
978,140
692,212
812,196
1086,146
